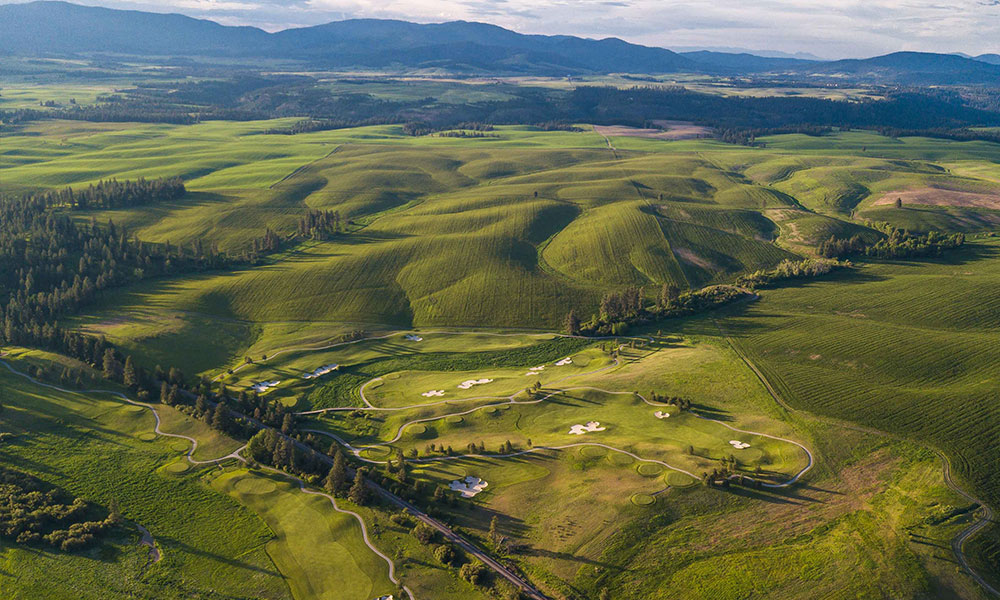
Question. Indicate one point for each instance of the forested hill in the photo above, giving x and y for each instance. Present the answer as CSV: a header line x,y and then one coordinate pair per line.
x,y
61,28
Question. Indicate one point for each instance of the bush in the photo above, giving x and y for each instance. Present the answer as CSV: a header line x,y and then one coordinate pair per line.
x,y
446,554
424,533
473,572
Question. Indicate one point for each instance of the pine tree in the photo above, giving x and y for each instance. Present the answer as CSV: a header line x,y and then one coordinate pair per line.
x,y
112,368
130,377
221,418
572,323
359,492
337,477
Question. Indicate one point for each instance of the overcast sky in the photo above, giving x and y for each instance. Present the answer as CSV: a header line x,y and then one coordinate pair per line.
x,y
828,28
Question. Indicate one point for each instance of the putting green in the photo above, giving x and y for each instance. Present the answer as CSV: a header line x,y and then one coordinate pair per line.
x,y
491,410
593,451
147,436
180,445
642,499
454,419
177,467
647,469
620,460
678,479
376,453
418,430
255,485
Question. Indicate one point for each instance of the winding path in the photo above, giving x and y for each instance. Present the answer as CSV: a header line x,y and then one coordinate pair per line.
x,y
147,537
511,400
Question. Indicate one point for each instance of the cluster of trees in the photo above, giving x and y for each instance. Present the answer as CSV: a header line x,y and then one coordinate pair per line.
x,y
319,224
739,119
728,474
117,194
748,137
897,243
681,403
621,310
50,267
32,512
788,269
962,134
464,133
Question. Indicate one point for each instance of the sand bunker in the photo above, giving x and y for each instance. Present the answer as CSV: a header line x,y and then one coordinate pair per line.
x,y
939,197
263,386
739,445
582,429
661,415
433,393
468,487
468,383
413,338
669,130
564,362
321,371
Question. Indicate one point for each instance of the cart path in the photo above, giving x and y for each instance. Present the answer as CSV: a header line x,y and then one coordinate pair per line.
x,y
356,451
147,537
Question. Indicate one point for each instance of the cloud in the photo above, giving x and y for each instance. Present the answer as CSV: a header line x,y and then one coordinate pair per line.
x,y
831,28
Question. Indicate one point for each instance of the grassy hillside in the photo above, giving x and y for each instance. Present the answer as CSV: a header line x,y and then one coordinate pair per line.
x,y
908,348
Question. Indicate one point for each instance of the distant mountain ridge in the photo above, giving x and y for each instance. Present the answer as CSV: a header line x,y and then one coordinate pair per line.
x,y
61,28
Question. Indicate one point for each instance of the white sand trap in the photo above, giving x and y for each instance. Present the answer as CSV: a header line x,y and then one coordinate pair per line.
x,y
468,383
321,371
468,487
263,386
433,393
738,444
413,338
541,368
564,362
582,429
661,415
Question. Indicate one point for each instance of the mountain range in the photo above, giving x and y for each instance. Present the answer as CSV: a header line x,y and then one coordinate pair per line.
x,y
61,28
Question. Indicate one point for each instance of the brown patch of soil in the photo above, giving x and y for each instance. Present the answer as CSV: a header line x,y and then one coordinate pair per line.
x,y
940,197
669,130
691,258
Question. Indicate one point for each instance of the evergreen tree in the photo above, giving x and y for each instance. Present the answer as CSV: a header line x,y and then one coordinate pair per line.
x,y
112,368
221,420
572,324
129,376
359,492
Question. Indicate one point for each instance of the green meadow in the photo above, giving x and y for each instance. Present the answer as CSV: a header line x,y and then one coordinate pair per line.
x,y
479,247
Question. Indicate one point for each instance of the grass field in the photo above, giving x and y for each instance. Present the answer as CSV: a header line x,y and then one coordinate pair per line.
x,y
468,232
510,233
91,446
908,348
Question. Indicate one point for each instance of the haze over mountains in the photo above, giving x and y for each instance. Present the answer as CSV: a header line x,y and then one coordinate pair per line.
x,y
60,28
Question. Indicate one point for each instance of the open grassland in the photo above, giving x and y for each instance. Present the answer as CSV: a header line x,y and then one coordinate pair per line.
x,y
300,547
589,518
515,229
908,348
96,448
319,552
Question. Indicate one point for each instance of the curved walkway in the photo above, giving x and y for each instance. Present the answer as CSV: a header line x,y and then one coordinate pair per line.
x,y
356,451
147,538
364,529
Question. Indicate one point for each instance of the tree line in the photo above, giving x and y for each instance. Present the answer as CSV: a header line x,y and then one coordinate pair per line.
x,y
116,194
629,307
895,243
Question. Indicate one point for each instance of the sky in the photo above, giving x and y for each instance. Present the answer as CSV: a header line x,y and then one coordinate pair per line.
x,y
825,28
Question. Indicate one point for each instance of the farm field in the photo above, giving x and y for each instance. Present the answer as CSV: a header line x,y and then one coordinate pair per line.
x,y
690,213
908,348
426,329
